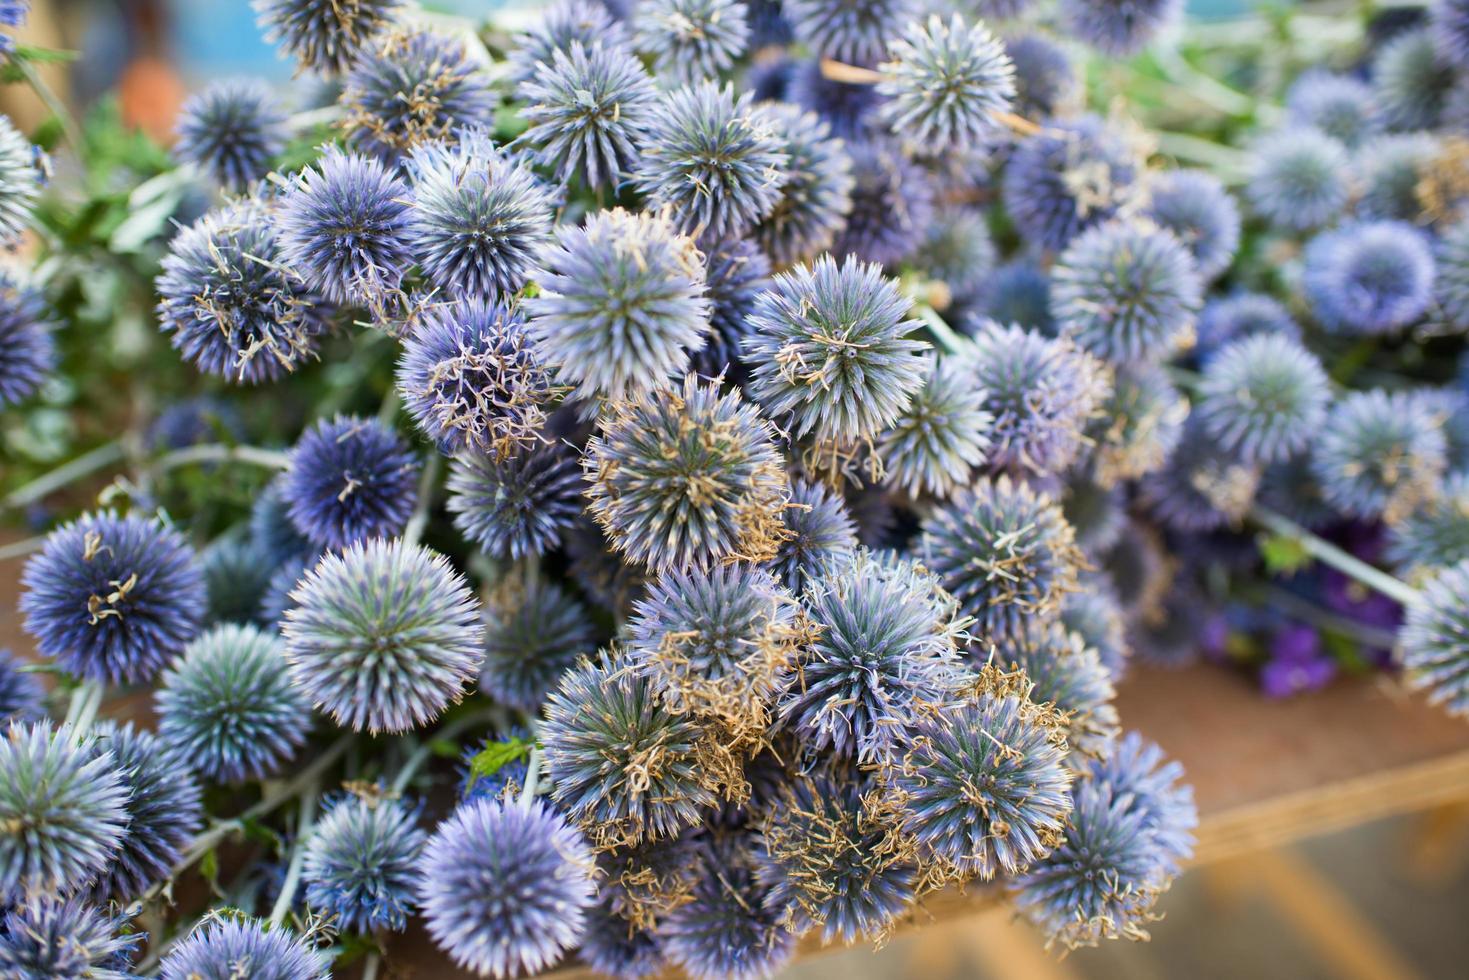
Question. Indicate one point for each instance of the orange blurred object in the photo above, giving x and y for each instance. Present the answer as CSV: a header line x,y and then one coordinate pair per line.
x,y
150,93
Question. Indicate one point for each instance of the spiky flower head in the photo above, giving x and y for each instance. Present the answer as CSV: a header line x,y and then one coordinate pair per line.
x,y
222,947
232,130
1097,512
112,598
1069,177
892,204
27,347
1194,205
1451,284
62,812
613,948
691,39
231,302
534,632
271,527
817,194
1411,82
1449,20
345,227
1263,398
1017,292
361,862
237,572
351,479
1338,105
829,349
325,35
640,883
1138,426
1046,82
1066,673
22,175
853,31
1005,552
599,571
1388,171
941,436
959,253
847,107
1373,277
1379,454
582,21
1095,614
383,636
13,13
1230,318
1434,534
736,273
1298,178
1431,645
22,698
687,478
622,304
710,161
518,506
819,529
1120,28
1201,487
49,939
946,83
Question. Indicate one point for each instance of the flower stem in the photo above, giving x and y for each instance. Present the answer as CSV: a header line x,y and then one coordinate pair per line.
x,y
1329,554
416,524
532,777
304,824
218,453
947,337
68,473
69,128
82,711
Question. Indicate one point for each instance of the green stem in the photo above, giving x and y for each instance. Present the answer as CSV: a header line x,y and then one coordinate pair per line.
x,y
68,473
69,128
532,777
85,701
370,966
419,521
304,823
1231,164
218,453
1329,554
22,548
946,335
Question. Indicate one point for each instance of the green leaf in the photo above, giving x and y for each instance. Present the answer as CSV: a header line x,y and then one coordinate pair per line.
x,y
1283,554
498,755
209,866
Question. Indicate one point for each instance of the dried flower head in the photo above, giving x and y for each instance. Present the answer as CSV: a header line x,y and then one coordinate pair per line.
x,y
1069,177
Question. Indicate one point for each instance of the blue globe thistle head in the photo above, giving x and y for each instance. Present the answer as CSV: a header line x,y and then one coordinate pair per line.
x,y
1388,171
712,163
63,813
346,228
1127,292
1097,512
1441,187
271,527
219,946
1202,486
1005,552
959,253
614,947
1449,23
23,172
410,88
1046,82
112,598
232,303
1451,283
819,529
690,478
325,36
1072,175
1263,398
1411,81
361,862
1017,292
892,205
384,636
1338,105
1298,179
853,31
587,22
1379,454
1139,569
885,643
1095,614
849,108
1068,675
946,83
817,194
691,40
479,218
351,479
1138,426
769,25
13,13
1290,488
1159,796
829,350
237,574
935,443
227,706
1373,277
517,507
1226,319
1201,214
1431,644
471,381
232,130
27,345
588,110
622,304
535,632
769,75
736,273
50,938
1120,28
22,696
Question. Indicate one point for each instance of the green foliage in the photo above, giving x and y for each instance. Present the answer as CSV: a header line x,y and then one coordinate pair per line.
x,y
498,755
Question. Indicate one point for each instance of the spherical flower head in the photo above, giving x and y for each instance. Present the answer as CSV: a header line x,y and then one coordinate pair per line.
x,y
1046,83
516,507
1119,28
534,633
853,31
946,83
48,939
1230,318
194,422
383,636
1411,82
233,304
345,227
1432,647
1138,426
583,21
62,812
351,479
941,436
13,13
1201,214
588,110
22,698
361,863
1379,454
1005,552
1017,292
1263,398
1372,277
599,571
736,273
829,348
960,253
112,598
1069,675
1202,487
1388,169
326,36
691,39
1449,21
271,527
27,347
640,883
1165,803
614,948
817,194
1338,105
237,574
220,948
892,205
1069,177
1097,512
232,130
710,161
818,528
847,107
622,304
1094,613
1127,292
1451,284
22,175
1298,179
687,478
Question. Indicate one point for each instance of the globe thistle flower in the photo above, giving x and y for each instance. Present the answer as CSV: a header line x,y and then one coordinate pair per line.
x,y
1449,20
350,479
22,175
48,938
1263,398
819,529
1201,214
1126,292
829,348
1451,284
847,107
690,478
1202,487
1431,644
1229,318
622,304
1069,177
1046,84
691,39
946,83
62,813
588,111
1094,613
1298,179
237,573
360,865
1004,551
736,273
112,598
164,810
710,161
194,422
1435,534
1369,277
325,35
1095,512
221,947
1388,171
27,349
641,883
816,197
1138,426
958,252
232,302
232,130
854,31
614,948
1338,105
271,527
892,205
516,507
942,434
345,225
1070,675
1379,454
383,636
1140,570
534,633
587,22
22,698
1410,81
1120,28
1015,293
